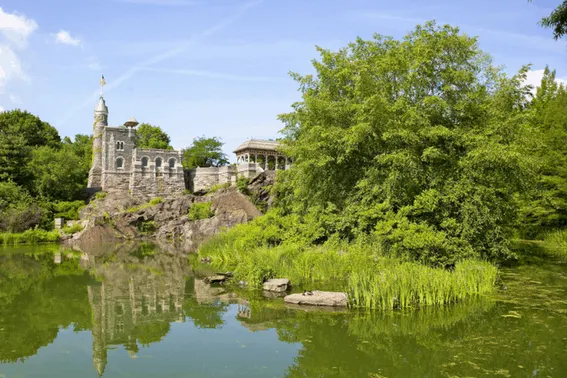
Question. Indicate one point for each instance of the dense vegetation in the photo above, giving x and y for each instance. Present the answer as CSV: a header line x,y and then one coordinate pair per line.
x,y
41,176
204,152
417,150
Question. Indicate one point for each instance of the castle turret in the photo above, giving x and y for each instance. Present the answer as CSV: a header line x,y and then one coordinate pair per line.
x,y
100,122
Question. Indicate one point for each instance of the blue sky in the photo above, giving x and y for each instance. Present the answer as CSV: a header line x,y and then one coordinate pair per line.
x,y
220,67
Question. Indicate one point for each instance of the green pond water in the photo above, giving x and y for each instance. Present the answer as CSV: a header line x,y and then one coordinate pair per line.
x,y
136,312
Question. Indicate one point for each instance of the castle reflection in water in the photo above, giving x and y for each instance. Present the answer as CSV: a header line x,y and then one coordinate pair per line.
x,y
134,299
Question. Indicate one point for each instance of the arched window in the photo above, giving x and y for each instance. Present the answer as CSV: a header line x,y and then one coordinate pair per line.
x,y
158,162
117,145
171,163
119,163
120,146
145,161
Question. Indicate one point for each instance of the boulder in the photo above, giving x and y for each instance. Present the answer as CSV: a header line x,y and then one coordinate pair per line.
x,y
318,298
215,279
278,285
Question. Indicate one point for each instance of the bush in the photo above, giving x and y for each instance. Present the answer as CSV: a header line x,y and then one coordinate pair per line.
x,y
100,195
217,187
147,227
73,228
242,185
68,210
201,210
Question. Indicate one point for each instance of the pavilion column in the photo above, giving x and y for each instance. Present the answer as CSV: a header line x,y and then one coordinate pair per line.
x,y
277,162
286,163
256,158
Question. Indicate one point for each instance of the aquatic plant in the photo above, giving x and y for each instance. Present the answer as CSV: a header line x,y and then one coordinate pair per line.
x,y
35,236
372,279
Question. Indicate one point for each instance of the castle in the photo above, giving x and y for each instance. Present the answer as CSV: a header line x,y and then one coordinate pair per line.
x,y
120,166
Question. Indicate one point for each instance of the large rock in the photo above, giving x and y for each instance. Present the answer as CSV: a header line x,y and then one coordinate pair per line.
x,y
318,298
278,285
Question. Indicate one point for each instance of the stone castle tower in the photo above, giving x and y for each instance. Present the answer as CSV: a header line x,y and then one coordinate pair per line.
x,y
100,122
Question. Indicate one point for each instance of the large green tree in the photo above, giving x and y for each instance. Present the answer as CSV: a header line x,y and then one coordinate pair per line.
x,y
544,206
149,136
59,174
204,152
414,140
20,133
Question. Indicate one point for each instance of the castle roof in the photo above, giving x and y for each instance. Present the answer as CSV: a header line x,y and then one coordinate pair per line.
x,y
101,107
258,144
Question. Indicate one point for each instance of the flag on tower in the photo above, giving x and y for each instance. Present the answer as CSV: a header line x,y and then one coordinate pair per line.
x,y
102,81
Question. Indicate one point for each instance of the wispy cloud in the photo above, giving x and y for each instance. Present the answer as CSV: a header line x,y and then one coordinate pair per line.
x,y
15,30
183,47
209,74
65,38
163,2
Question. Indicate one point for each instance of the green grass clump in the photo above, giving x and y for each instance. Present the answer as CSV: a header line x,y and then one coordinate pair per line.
x,y
35,236
201,210
73,229
152,202
358,268
398,285
217,187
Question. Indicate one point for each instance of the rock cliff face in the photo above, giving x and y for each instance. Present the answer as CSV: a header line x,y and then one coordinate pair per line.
x,y
119,218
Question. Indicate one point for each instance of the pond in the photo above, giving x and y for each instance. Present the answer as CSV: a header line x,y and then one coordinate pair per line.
x,y
137,312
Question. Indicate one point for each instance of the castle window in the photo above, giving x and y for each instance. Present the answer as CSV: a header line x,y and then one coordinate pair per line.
x,y
120,146
158,162
171,163
119,163
145,161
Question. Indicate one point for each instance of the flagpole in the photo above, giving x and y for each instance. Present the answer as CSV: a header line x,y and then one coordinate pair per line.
x,y
102,82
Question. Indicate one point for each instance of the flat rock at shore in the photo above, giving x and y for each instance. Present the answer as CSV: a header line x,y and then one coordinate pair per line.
x,y
278,285
318,298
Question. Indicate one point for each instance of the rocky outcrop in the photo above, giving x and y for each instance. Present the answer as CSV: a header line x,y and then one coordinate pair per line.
x,y
318,298
277,285
119,217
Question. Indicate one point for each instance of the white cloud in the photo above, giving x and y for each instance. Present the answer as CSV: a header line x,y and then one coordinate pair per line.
x,y
65,38
14,32
1,109
534,78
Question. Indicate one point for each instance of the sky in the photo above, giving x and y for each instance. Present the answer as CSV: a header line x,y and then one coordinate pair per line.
x,y
221,67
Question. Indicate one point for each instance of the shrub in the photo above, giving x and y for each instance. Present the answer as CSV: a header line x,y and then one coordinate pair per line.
x,y
201,210
242,185
100,195
77,227
68,210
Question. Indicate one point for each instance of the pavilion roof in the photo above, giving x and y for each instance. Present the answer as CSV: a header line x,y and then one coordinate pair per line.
x,y
258,144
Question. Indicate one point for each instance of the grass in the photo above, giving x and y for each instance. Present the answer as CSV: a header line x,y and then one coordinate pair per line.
x,y
371,279
201,210
152,202
29,237
217,187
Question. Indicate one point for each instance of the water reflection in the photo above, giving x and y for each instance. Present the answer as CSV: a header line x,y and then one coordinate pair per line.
x,y
128,297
